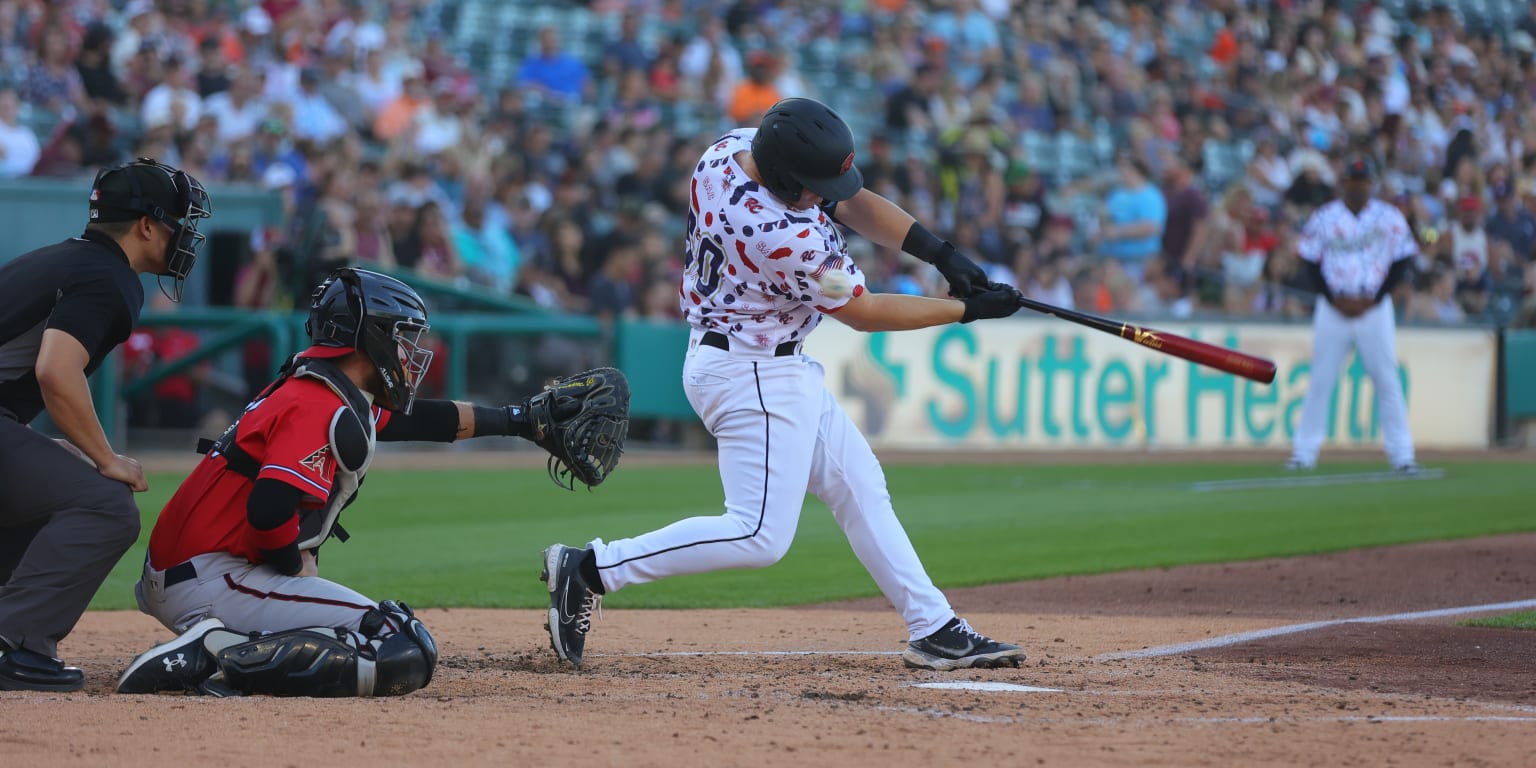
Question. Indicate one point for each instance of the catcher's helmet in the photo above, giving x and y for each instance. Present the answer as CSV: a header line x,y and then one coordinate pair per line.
x,y
803,144
380,316
174,198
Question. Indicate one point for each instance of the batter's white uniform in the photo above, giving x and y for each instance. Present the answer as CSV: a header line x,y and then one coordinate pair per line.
x,y
751,275
1355,253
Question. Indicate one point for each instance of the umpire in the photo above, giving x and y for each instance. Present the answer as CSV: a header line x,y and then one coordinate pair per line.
x,y
65,522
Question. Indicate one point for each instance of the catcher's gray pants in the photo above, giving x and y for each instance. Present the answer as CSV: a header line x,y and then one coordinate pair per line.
x,y
62,528
246,597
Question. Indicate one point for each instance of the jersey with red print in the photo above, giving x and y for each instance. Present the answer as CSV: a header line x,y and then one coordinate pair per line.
x,y
288,434
1355,252
753,263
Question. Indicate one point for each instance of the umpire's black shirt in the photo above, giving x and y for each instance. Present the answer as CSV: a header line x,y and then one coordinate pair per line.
x,y
82,286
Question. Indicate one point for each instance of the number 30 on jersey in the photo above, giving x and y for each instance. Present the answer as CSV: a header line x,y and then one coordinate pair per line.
x,y
705,261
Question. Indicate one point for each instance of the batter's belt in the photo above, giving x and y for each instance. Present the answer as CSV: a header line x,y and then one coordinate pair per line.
x,y
721,341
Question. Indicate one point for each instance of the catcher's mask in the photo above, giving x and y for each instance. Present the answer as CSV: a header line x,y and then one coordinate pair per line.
x,y
803,144
382,317
174,198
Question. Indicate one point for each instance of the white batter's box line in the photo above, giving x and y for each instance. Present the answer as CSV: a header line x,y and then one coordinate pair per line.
x,y
1313,481
1154,720
743,653
1291,629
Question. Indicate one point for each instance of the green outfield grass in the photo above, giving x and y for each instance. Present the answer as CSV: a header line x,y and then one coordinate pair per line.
x,y
1521,620
472,538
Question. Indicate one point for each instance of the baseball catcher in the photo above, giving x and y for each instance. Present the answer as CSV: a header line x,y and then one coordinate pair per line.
x,y
233,559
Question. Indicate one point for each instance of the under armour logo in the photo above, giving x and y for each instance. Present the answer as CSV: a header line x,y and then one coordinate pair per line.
x,y
180,660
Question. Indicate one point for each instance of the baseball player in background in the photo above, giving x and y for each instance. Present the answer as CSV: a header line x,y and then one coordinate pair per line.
x,y
232,561
765,263
1358,249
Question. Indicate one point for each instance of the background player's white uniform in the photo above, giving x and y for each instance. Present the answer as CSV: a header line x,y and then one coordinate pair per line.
x,y
751,275
1355,254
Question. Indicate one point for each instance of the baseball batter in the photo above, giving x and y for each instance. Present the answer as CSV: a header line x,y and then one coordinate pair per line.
x,y
762,243
1358,249
233,559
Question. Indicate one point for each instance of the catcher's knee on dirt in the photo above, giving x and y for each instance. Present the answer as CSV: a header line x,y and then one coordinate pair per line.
x,y
398,659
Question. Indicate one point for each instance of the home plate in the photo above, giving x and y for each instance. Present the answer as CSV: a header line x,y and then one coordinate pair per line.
x,y
989,687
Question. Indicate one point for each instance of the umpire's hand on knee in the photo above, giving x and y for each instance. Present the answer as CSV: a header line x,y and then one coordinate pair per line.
x,y
125,470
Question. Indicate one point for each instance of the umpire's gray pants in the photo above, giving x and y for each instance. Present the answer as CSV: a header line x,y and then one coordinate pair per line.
x,y
62,528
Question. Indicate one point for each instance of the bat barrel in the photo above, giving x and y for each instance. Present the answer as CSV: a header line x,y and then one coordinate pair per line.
x,y
1202,353
1222,359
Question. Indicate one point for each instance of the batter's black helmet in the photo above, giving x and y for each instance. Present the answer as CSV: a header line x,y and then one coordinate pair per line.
x,y
380,316
174,198
803,144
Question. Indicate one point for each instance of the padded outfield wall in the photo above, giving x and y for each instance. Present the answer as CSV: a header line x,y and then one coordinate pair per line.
x,y
1049,385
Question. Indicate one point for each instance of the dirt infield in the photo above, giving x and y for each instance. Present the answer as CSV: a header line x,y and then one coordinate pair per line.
x,y
824,685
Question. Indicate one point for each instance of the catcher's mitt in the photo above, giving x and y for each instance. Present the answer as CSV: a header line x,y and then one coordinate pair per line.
x,y
582,420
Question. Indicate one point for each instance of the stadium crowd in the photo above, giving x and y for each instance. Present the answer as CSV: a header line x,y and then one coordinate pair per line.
x,y
1122,157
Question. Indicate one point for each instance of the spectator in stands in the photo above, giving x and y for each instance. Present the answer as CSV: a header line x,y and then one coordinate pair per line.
x,y
1133,218
1048,283
398,116
555,73
53,83
174,102
490,256
371,228
1513,224
214,73
1311,187
1465,248
315,118
94,63
1268,175
1434,301
756,92
611,291
239,110
626,54
429,247
1506,282
338,86
709,64
908,108
1186,215
19,148
1032,111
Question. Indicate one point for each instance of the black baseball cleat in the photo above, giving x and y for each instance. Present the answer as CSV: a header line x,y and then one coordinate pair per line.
x,y
24,670
571,602
179,664
957,646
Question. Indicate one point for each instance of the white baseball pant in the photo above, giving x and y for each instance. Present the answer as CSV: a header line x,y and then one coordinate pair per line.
x,y
1374,336
780,433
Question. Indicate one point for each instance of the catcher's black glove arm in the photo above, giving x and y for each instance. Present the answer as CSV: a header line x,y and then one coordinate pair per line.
x,y
582,420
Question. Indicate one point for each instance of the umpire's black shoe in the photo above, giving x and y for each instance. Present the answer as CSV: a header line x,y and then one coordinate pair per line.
x,y
957,646
23,670
178,664
571,602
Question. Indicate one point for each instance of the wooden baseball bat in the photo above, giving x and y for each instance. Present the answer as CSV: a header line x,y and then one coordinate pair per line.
x,y
1222,359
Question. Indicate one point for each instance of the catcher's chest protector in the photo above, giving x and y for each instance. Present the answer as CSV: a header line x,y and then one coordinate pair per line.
x,y
352,441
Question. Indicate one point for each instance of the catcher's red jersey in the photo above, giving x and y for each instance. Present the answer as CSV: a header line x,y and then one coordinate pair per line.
x,y
287,433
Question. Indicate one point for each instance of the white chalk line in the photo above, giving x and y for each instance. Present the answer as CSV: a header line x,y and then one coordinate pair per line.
x,y
1312,481
742,653
1154,720
1261,634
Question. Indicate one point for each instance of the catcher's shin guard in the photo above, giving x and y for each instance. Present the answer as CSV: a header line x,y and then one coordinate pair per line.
x,y
320,662
296,662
